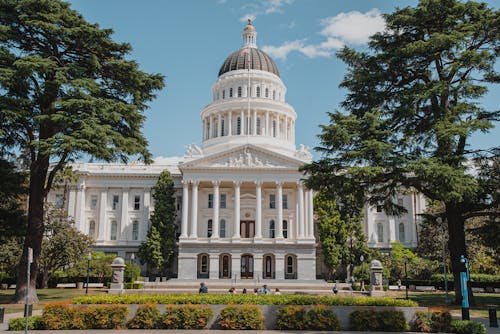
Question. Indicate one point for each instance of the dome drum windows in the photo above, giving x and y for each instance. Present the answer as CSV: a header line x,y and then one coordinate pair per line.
x,y
239,91
230,92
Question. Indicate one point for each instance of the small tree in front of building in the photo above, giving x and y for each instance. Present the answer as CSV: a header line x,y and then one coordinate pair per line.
x,y
159,248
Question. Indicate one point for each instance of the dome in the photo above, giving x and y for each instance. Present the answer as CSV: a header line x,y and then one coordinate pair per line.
x,y
259,60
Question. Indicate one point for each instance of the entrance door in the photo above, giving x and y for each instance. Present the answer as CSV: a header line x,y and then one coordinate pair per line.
x,y
269,267
246,266
247,228
225,266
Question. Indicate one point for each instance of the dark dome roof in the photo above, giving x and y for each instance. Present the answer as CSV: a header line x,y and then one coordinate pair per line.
x,y
259,61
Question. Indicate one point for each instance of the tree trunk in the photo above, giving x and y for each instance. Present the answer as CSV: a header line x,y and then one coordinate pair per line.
x,y
34,232
457,247
45,279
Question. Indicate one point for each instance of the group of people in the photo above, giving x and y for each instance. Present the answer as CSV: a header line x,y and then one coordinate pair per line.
x,y
264,290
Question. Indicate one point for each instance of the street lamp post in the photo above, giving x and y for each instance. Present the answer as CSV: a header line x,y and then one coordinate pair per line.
x,y
361,259
406,278
439,220
464,280
132,258
89,258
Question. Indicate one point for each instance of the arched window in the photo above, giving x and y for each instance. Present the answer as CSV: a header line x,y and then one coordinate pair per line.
x,y
289,264
92,229
274,128
380,232
204,264
209,228
258,91
258,125
223,94
222,127
222,228
271,229
267,92
239,91
135,230
114,229
230,92
402,232
285,229
274,95
238,126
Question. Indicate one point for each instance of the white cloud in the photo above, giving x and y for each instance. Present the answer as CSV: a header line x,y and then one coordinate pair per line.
x,y
339,30
221,2
353,27
265,7
274,6
251,16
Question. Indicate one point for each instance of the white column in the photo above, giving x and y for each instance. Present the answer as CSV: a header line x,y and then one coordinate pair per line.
x,y
219,127
300,218
194,211
236,214
268,131
306,214
185,205
124,215
279,266
214,266
72,202
203,130
280,211
235,265
143,230
310,213
254,132
80,209
230,125
278,127
103,206
242,123
215,223
258,217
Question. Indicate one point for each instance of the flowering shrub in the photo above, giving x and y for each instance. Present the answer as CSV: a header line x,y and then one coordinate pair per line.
x,y
291,317
371,320
241,317
322,318
186,317
146,317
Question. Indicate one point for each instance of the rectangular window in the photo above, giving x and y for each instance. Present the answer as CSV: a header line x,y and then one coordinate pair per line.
x,y
116,200
93,202
272,201
137,202
114,230
222,201
59,201
135,230
380,208
210,201
179,203
285,201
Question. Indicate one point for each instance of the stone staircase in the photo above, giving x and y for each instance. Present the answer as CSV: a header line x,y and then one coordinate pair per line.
x,y
175,286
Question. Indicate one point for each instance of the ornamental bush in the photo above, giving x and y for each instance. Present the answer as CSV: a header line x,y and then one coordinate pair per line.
x,y
467,327
235,317
249,299
19,324
371,320
186,317
322,318
146,317
291,317
431,322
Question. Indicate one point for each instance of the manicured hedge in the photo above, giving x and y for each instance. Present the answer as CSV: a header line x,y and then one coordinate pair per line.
x,y
226,299
467,327
146,317
318,317
383,321
241,317
186,316
19,324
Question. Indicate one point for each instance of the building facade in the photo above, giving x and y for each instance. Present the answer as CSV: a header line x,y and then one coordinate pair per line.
x,y
243,211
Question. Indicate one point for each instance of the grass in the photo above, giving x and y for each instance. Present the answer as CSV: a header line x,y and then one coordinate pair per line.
x,y
45,296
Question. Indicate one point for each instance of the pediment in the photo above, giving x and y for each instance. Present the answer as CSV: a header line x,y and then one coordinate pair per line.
x,y
245,157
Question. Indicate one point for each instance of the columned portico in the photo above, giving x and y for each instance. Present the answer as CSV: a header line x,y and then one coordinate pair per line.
x,y
194,211
236,222
215,231
258,215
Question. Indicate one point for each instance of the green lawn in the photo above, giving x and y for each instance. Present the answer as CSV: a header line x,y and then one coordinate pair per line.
x,y
44,295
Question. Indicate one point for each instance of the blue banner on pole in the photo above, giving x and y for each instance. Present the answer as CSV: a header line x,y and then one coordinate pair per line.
x,y
465,294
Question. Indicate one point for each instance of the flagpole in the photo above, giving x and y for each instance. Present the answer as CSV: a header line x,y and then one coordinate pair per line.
x,y
249,93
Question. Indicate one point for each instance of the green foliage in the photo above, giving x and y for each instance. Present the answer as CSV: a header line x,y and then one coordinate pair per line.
x,y
146,317
19,324
225,299
134,286
132,272
12,217
186,316
413,102
371,320
158,250
59,316
291,318
467,327
322,318
241,317
11,250
99,266
473,278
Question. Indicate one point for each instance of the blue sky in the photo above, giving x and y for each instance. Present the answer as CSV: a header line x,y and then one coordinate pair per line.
x,y
187,41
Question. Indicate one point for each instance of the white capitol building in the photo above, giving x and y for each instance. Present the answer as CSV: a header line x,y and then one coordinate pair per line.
x,y
242,209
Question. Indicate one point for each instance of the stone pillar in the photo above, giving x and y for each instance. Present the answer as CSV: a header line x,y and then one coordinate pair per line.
x,y
143,231
185,207
215,224
242,123
203,134
72,203
103,207
236,214
194,211
219,128
278,126
124,215
280,211
210,127
376,282
268,131
254,131
300,214
310,213
258,212
117,268
80,209
235,265
279,269
214,266
257,267
230,125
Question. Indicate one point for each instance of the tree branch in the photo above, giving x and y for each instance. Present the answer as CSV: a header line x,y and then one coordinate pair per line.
x,y
54,171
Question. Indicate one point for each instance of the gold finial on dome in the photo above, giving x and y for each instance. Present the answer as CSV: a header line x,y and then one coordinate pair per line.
x,y
249,26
